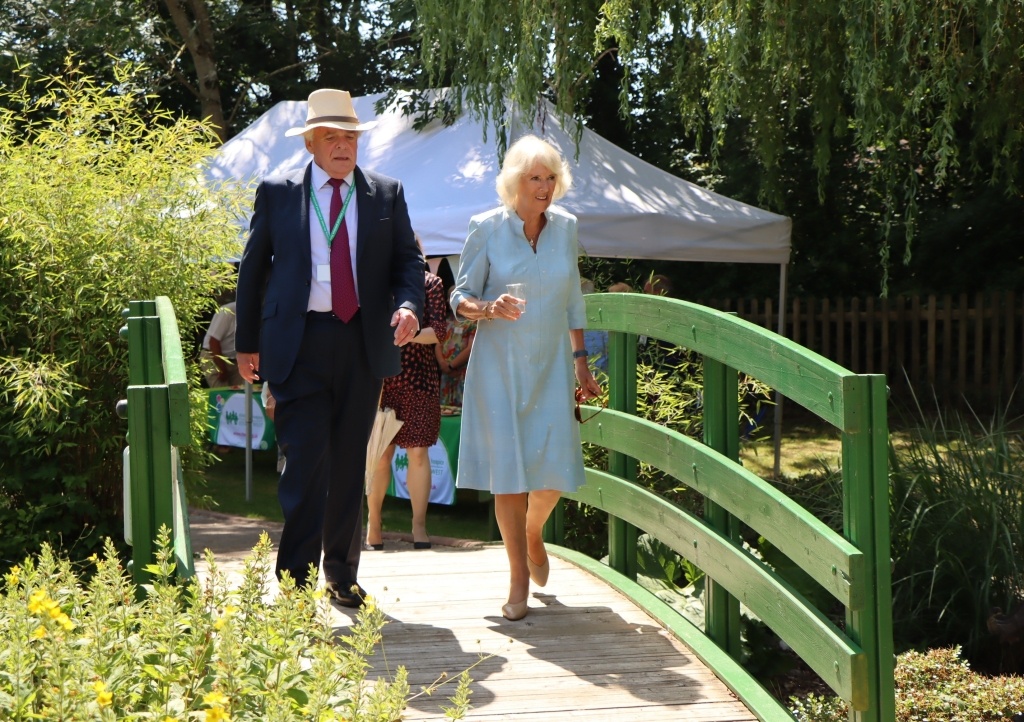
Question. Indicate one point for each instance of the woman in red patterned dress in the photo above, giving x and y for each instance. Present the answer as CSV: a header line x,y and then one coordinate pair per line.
x,y
415,395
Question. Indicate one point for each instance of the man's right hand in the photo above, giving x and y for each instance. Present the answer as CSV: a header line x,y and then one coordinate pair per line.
x,y
248,365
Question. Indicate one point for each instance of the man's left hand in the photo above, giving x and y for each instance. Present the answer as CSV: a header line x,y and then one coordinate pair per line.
x,y
406,326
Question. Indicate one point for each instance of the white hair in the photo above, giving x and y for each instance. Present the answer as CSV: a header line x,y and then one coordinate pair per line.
x,y
520,158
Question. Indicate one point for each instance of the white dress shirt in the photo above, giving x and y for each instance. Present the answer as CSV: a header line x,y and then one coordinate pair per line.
x,y
320,291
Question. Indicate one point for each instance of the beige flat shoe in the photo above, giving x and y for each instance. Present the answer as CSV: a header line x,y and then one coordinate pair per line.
x,y
538,572
515,612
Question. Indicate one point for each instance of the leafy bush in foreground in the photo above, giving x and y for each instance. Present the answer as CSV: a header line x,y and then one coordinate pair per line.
x,y
937,686
74,651
100,204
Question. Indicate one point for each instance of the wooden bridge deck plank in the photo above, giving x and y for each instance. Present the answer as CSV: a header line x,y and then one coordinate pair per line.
x,y
583,652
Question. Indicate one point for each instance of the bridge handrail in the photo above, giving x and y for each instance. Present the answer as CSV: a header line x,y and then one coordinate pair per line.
x,y
173,362
744,346
829,559
853,566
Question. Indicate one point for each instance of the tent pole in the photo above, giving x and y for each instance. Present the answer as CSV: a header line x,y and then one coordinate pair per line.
x,y
778,395
248,441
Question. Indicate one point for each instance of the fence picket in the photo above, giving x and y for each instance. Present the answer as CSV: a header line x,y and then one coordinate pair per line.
x,y
964,348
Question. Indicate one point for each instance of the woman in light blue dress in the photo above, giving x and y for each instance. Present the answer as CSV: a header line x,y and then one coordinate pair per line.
x,y
520,440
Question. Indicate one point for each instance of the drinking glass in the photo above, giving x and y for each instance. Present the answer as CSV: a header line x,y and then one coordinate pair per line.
x,y
519,291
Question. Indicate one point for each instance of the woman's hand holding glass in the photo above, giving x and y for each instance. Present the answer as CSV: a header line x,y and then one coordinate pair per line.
x,y
507,307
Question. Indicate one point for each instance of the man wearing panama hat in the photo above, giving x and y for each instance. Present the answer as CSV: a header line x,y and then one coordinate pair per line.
x,y
329,287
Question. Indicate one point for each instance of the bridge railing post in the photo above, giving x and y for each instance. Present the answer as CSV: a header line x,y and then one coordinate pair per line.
x,y
721,433
622,537
158,423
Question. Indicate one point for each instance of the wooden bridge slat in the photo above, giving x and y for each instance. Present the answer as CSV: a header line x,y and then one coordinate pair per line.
x,y
584,652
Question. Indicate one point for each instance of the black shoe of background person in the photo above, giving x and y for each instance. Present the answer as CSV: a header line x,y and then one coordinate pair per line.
x,y
352,597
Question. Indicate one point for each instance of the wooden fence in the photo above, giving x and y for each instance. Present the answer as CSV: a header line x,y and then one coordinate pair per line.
x,y
961,349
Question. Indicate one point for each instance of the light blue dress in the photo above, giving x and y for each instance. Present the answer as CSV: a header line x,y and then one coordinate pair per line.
x,y
518,429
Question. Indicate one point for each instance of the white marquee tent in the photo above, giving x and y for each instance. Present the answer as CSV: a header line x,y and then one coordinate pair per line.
x,y
627,208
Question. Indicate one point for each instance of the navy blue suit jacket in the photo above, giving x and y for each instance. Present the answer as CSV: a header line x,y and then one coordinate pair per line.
x,y
275,273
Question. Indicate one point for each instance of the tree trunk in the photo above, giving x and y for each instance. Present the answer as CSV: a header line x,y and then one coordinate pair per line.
x,y
193,23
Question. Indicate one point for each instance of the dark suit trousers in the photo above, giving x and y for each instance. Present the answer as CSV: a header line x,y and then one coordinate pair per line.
x,y
325,411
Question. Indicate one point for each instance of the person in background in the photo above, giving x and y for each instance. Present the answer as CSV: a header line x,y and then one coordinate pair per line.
x,y
658,285
596,340
323,325
620,287
217,357
453,357
415,396
520,440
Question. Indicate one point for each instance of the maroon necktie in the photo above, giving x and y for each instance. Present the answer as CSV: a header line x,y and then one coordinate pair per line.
x,y
343,286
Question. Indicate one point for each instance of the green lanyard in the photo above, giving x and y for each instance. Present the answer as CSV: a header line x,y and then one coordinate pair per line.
x,y
330,234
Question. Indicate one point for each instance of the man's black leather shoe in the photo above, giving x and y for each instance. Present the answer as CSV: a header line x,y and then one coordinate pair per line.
x,y
352,597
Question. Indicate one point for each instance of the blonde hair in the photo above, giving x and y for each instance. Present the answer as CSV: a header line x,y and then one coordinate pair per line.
x,y
520,158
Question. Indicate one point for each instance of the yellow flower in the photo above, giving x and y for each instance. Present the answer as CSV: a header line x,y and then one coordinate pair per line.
x,y
217,714
36,601
103,697
215,699
39,633
229,611
65,621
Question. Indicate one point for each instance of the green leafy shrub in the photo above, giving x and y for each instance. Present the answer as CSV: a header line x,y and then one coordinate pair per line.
x,y
73,650
957,533
956,527
936,686
100,204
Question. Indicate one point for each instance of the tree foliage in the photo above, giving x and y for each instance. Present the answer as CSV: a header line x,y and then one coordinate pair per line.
x,y
99,205
927,95
226,62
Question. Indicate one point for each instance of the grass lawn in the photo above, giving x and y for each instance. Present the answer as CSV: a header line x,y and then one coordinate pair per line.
x,y
467,519
807,446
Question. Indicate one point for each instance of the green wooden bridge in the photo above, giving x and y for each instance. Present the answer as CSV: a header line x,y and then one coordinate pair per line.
x,y
854,656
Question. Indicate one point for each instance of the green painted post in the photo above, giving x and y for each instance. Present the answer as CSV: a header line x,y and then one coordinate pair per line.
x,y
151,473
721,433
878,396
158,415
866,524
172,360
622,537
141,340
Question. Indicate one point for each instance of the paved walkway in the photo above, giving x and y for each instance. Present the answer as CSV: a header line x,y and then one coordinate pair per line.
x,y
584,652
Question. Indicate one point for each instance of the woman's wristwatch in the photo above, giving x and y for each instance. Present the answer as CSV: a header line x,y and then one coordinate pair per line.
x,y
582,353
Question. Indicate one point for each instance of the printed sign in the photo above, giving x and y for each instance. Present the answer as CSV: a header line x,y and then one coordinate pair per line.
x,y
227,420
442,480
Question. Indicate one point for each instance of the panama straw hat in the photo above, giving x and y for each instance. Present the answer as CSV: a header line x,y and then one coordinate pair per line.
x,y
328,108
